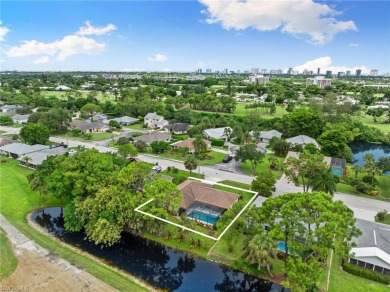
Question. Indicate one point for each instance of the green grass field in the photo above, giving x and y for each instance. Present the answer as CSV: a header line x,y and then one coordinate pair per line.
x,y
62,95
246,167
217,157
95,137
17,200
369,121
8,261
386,221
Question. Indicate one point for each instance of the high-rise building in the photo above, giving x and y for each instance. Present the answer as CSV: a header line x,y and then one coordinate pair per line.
x,y
319,81
209,71
318,71
255,70
279,71
263,71
340,74
348,73
358,72
225,71
328,73
290,71
258,79
374,72
199,71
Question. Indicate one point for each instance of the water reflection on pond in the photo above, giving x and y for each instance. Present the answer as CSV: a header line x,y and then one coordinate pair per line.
x,y
157,264
359,149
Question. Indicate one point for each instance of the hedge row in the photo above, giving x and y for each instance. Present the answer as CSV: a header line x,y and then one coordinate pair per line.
x,y
218,143
365,273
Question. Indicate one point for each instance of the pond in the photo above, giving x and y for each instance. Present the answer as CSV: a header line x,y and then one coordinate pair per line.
x,y
155,263
359,149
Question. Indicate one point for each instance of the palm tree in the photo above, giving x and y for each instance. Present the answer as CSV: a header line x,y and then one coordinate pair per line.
x,y
26,160
191,163
325,181
357,169
227,132
199,145
260,250
273,162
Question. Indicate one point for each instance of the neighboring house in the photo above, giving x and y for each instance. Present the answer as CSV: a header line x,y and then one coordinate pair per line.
x,y
153,137
36,158
372,250
6,141
266,136
15,150
10,107
125,120
94,127
63,88
202,202
188,143
302,140
100,118
10,113
20,119
178,128
216,133
153,120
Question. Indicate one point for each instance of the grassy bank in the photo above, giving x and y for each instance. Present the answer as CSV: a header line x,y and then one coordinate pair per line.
x,y
17,200
8,261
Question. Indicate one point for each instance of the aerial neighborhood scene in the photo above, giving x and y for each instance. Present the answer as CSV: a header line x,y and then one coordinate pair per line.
x,y
205,145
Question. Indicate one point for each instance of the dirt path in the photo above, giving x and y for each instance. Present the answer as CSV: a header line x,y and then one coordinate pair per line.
x,y
40,270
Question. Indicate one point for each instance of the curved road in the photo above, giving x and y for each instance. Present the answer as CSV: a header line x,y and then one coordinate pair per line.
x,y
363,208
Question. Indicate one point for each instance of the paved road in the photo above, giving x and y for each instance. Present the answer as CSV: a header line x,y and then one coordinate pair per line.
x,y
363,208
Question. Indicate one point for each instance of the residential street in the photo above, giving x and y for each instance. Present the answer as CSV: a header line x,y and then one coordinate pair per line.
x,y
363,208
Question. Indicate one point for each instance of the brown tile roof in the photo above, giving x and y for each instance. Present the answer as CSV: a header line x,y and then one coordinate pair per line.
x,y
194,191
188,143
6,141
154,136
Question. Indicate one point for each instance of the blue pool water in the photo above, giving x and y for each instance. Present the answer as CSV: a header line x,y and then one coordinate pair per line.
x,y
337,171
206,218
282,246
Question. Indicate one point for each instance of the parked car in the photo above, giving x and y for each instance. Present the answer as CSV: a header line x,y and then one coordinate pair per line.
x,y
157,169
227,159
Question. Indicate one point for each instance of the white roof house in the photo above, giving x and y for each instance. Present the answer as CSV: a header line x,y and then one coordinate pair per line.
x,y
17,149
153,120
216,133
10,107
63,88
265,136
36,158
20,119
302,140
372,250
125,120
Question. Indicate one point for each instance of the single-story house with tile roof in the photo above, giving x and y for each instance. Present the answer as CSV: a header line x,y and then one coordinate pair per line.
x,y
15,150
125,120
202,202
372,250
36,158
188,143
216,133
6,141
20,119
153,137
266,136
302,140
95,127
177,128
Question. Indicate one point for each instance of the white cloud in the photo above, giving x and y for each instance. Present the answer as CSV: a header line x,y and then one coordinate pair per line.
x,y
325,63
354,45
3,31
42,60
166,70
158,58
201,64
95,30
313,21
132,70
67,46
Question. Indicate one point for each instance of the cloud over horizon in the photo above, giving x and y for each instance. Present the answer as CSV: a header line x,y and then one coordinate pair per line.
x,y
315,22
158,58
95,30
3,31
326,63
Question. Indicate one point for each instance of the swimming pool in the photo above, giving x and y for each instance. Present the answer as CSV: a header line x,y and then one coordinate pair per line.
x,y
204,217
282,246
337,171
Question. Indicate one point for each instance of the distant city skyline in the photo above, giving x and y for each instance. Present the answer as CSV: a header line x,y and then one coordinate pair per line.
x,y
185,36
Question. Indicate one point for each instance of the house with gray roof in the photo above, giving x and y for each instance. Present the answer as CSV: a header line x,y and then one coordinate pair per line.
x,y
36,158
372,250
15,150
154,121
177,128
100,118
20,119
149,138
94,127
216,133
266,136
10,107
302,140
125,120
6,141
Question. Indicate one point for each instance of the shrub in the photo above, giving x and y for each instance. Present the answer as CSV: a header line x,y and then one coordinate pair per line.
x,y
141,146
365,273
87,136
381,215
6,121
75,132
217,142
122,140
370,180
362,187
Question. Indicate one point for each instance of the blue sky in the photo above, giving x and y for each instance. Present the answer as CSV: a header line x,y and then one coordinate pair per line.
x,y
187,35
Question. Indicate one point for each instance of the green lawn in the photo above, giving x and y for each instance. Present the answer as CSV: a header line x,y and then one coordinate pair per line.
x,y
17,200
181,175
62,95
95,137
134,127
347,282
386,221
247,168
217,157
369,121
8,261
235,184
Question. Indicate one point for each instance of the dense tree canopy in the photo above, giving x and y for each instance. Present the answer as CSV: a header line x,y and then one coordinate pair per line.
x,y
34,134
